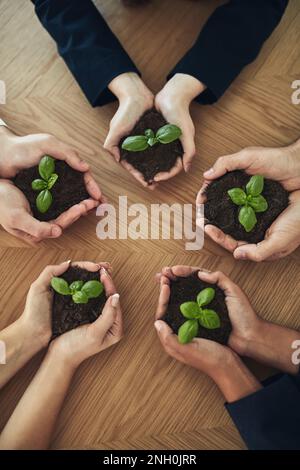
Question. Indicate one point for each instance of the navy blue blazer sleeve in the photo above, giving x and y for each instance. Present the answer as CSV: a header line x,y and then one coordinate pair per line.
x,y
230,40
270,418
86,43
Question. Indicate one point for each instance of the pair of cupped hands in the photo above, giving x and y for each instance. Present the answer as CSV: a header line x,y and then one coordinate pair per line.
x,y
87,340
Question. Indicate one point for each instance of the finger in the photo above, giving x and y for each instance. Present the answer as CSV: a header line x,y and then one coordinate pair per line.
x,y
163,301
87,265
58,149
108,316
223,281
107,281
92,187
22,236
237,161
167,271
166,175
113,150
183,271
201,196
51,271
111,143
259,252
137,175
166,336
106,265
222,239
74,213
39,230
189,148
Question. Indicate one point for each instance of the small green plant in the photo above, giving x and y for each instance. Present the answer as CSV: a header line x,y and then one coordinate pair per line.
x,y
251,201
45,183
80,291
196,314
164,135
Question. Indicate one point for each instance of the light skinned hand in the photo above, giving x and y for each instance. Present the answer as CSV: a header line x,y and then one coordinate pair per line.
x,y
87,340
173,102
21,152
36,318
279,164
134,100
205,355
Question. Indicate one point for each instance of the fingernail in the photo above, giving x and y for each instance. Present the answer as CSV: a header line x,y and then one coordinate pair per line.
x,y
157,326
69,261
115,299
209,172
56,231
103,271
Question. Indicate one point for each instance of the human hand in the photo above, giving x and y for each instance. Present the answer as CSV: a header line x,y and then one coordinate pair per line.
x,y
173,102
134,100
80,343
283,165
219,362
18,153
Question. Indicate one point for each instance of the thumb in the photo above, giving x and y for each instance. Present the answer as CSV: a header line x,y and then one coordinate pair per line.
x,y
165,334
260,252
227,163
40,230
111,143
108,316
189,148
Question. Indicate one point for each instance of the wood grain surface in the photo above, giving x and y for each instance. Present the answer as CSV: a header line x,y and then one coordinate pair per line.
x,y
133,395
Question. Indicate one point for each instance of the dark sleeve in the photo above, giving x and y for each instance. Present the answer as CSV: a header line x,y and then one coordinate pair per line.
x,y
85,42
270,418
231,39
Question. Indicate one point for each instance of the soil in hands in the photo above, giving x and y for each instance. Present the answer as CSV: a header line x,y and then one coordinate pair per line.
x,y
186,289
156,159
66,315
220,211
68,190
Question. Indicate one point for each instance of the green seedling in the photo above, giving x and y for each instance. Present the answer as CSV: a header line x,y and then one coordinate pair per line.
x,y
165,135
44,184
250,201
196,314
80,291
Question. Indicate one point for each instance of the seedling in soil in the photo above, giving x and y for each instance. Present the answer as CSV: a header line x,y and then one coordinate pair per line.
x,y
45,183
80,291
251,201
165,135
196,314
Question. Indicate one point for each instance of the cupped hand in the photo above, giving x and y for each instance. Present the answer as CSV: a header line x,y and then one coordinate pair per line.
x,y
87,340
205,355
279,164
19,153
134,100
173,102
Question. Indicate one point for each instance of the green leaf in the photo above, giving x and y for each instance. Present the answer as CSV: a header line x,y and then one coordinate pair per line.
x,y
46,167
152,141
52,180
205,296
168,133
255,185
76,286
238,196
60,286
258,203
188,331
80,297
136,143
247,218
149,133
189,309
38,185
92,289
209,319
44,201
